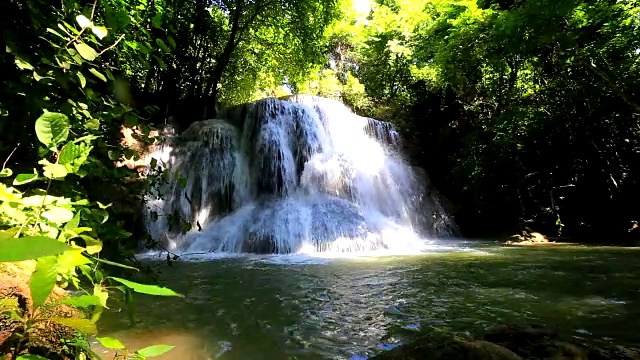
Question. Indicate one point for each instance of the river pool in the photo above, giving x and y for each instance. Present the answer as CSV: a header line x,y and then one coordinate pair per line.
x,y
303,307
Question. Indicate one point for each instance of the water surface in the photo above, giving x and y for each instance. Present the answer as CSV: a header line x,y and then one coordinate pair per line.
x,y
282,307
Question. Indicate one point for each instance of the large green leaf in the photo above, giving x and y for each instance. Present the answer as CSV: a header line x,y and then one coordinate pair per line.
x,y
147,289
69,153
100,31
93,124
108,262
31,357
22,179
83,80
69,260
102,294
9,233
29,248
53,171
163,46
83,21
5,172
86,51
110,343
92,245
74,155
43,280
97,74
82,301
154,350
73,223
82,325
58,215
52,129
23,65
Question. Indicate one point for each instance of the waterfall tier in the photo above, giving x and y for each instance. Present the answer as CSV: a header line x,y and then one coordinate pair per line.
x,y
303,174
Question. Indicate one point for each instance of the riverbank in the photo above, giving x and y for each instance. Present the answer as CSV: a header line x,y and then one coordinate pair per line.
x,y
45,338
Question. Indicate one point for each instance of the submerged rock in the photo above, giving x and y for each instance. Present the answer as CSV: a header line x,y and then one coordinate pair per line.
x,y
443,347
535,342
506,342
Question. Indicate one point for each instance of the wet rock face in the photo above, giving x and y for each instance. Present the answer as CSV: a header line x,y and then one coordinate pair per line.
x,y
506,342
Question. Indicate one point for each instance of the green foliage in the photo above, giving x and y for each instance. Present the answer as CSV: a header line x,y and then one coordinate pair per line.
x,y
52,129
528,89
146,289
29,247
144,353
48,214
506,104
52,230
152,351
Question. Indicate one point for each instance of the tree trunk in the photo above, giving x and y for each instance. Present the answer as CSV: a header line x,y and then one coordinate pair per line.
x,y
221,65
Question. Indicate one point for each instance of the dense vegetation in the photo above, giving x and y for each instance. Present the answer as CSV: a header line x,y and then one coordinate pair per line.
x,y
523,112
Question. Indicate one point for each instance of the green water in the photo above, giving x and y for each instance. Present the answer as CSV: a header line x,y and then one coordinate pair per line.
x,y
281,307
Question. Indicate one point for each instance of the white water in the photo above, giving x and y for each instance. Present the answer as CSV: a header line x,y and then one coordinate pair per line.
x,y
304,175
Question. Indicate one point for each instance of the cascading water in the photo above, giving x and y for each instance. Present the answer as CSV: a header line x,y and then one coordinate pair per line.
x,y
303,174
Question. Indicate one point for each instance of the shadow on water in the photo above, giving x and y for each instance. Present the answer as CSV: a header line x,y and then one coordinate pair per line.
x,y
278,308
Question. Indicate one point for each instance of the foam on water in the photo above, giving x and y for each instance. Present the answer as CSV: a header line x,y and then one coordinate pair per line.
x,y
324,258
301,176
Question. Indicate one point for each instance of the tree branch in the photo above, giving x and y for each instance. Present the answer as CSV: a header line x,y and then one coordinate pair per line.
x,y
4,164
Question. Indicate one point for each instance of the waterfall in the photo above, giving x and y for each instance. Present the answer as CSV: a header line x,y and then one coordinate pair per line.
x,y
301,174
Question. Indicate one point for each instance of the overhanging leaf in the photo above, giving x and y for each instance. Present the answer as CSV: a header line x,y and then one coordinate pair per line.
x,y
82,325
154,350
83,21
163,46
110,343
58,215
31,357
29,248
69,260
68,153
37,77
86,51
98,74
22,179
43,280
108,262
99,31
6,173
23,65
10,233
55,32
54,171
147,289
101,293
93,246
52,129
93,124
82,301
83,80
